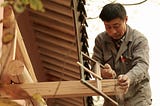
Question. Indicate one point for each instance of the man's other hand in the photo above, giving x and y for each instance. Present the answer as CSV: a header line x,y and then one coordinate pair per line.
x,y
124,82
107,72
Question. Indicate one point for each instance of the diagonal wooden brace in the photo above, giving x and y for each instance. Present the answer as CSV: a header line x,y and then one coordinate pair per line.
x,y
97,76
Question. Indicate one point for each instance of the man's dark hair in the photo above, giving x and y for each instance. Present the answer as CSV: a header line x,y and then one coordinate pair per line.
x,y
112,11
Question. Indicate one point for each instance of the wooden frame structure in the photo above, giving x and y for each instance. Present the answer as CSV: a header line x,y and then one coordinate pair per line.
x,y
97,76
17,72
58,89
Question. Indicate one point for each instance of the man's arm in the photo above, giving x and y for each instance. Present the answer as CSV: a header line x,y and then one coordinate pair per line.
x,y
140,61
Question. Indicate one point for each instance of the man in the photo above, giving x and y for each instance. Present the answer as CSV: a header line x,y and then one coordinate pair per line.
x,y
125,54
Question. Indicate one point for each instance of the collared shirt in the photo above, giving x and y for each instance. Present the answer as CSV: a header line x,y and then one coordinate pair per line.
x,y
118,42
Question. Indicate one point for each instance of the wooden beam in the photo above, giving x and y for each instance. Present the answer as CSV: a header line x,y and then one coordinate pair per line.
x,y
51,6
18,72
54,33
57,41
59,63
23,51
54,25
63,2
62,89
1,26
59,50
54,16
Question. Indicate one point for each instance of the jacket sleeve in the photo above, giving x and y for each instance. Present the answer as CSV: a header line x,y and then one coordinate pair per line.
x,y
140,62
97,50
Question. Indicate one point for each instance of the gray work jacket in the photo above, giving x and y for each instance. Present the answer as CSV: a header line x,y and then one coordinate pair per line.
x,y
131,59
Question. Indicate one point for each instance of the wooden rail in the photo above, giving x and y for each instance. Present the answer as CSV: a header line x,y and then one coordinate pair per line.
x,y
60,89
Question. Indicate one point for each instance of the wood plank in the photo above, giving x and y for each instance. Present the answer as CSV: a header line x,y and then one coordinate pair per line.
x,y
58,56
7,55
53,77
54,16
98,72
59,42
8,45
53,24
54,68
50,78
54,33
63,75
54,48
61,64
66,3
25,55
1,26
63,89
58,8
18,72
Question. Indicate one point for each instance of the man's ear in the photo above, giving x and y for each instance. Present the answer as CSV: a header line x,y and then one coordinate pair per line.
x,y
126,19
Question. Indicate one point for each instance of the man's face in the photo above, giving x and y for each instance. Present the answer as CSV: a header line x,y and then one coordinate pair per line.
x,y
116,28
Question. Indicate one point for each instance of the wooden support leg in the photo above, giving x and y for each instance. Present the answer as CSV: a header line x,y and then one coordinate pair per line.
x,y
98,78
98,72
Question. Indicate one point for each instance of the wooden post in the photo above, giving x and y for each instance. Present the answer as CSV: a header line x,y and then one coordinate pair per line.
x,y
8,39
1,32
98,72
18,72
24,54
1,27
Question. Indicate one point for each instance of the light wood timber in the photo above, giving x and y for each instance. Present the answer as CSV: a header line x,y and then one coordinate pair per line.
x,y
23,52
18,72
98,72
95,75
1,27
63,89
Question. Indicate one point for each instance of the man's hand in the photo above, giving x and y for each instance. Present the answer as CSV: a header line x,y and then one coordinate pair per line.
x,y
107,72
124,82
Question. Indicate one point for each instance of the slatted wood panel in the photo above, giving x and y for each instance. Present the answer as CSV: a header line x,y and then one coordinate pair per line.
x,y
55,35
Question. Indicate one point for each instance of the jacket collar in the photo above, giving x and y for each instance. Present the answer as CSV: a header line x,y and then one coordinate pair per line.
x,y
123,48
